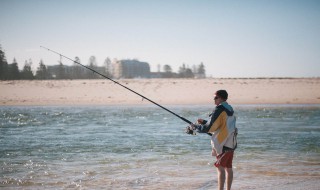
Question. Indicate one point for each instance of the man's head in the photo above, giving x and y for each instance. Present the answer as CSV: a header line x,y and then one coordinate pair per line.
x,y
220,96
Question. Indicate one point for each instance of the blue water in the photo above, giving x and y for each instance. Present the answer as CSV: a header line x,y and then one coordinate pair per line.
x,y
145,147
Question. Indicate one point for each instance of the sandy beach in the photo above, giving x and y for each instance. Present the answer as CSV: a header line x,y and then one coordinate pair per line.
x,y
162,91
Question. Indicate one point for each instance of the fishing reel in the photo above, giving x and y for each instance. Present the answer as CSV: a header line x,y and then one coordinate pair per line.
x,y
190,130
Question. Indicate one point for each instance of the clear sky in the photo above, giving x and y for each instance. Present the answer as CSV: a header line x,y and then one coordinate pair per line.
x,y
249,38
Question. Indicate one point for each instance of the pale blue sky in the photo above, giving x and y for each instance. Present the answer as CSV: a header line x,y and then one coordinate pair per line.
x,y
249,38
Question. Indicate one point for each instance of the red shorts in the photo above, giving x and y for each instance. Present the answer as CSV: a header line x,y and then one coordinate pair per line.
x,y
225,159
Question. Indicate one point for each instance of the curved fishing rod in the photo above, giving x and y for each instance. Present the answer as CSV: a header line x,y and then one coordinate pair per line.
x,y
182,118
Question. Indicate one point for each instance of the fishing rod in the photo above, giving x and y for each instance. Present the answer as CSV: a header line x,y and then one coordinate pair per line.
x,y
94,71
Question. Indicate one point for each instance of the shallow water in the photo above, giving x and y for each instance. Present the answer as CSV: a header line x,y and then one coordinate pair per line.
x,y
145,147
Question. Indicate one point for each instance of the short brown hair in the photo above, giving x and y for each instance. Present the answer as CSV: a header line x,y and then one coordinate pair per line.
x,y
222,94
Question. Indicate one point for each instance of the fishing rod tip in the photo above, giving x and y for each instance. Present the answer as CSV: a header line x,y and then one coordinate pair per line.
x,y
44,47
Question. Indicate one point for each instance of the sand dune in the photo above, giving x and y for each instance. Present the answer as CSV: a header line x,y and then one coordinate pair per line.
x,y
162,91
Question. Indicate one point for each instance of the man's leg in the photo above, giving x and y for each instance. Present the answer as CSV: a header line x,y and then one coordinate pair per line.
x,y
229,175
221,177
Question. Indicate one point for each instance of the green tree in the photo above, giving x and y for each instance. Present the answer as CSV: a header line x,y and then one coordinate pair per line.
x,y
27,72
77,71
185,72
167,68
108,67
182,71
188,73
42,72
13,71
61,72
201,69
3,65
92,65
167,71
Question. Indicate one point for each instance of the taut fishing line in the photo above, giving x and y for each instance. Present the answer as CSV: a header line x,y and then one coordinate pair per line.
x,y
188,131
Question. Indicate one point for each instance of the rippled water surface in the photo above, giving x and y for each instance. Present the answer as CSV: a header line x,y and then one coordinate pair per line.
x,y
146,148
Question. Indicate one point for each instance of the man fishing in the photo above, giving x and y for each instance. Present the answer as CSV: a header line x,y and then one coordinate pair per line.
x,y
221,127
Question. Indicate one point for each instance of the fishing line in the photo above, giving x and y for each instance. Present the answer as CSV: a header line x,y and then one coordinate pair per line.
x,y
96,72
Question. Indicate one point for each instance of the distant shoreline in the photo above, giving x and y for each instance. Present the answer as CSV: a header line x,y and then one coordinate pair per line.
x,y
175,91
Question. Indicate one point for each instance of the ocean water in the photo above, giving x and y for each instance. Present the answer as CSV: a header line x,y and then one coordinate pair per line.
x,y
145,147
